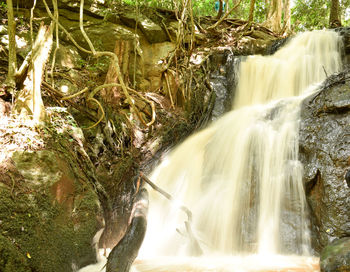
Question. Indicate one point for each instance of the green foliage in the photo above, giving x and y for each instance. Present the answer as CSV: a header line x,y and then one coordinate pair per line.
x,y
345,12
204,8
305,14
260,11
314,14
310,14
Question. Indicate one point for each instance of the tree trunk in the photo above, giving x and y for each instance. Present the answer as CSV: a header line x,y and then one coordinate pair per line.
x,y
29,103
251,11
274,15
286,19
220,9
12,66
334,17
227,6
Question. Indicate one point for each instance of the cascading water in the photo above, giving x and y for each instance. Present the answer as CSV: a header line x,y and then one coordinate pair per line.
x,y
241,177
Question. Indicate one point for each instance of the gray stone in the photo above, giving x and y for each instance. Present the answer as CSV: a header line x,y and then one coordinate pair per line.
x,y
223,79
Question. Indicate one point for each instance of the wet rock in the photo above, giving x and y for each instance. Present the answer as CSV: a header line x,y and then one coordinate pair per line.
x,y
347,178
224,69
276,45
324,151
335,257
223,79
345,33
124,253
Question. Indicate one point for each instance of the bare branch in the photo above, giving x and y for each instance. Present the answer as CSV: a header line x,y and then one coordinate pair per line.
x,y
12,65
69,36
166,195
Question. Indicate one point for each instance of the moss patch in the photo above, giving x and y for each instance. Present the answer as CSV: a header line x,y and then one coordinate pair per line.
x,y
41,238
10,258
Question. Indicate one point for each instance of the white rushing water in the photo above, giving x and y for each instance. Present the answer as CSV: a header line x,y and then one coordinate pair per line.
x,y
241,176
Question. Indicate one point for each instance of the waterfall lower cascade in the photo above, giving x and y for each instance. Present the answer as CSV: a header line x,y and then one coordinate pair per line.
x,y
241,176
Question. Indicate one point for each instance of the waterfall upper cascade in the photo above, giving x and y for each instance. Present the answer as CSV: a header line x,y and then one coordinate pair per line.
x,y
241,176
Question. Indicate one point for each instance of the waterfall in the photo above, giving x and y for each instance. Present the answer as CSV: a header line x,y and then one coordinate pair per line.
x,y
241,176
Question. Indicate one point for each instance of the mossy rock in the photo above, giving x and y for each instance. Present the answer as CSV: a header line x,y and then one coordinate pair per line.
x,y
43,240
49,208
336,256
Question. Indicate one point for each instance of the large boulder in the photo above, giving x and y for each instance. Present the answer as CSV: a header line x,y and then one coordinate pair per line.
x,y
49,209
325,153
152,31
102,35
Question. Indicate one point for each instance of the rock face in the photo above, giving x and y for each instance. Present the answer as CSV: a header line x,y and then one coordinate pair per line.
x,y
325,153
336,256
